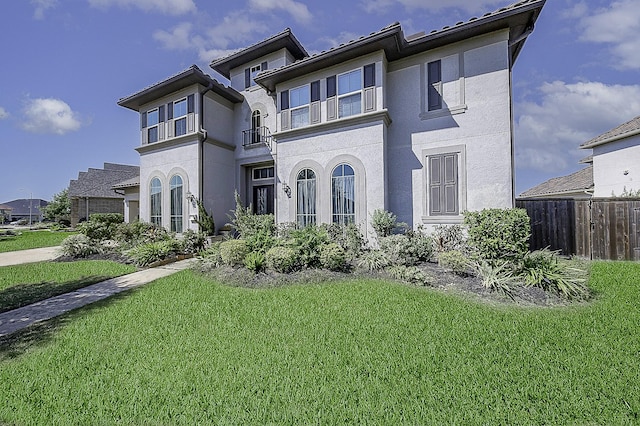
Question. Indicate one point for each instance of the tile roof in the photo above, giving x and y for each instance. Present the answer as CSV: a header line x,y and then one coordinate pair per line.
x,y
577,182
629,128
97,183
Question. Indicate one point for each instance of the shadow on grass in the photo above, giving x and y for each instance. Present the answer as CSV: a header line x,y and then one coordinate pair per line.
x,y
20,295
42,333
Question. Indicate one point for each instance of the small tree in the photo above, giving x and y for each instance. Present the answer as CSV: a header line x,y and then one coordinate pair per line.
x,y
205,220
59,209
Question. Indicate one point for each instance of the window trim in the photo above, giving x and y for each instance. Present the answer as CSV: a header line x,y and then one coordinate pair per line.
x,y
460,150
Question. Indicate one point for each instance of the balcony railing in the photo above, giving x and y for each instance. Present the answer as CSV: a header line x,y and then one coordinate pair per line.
x,y
258,136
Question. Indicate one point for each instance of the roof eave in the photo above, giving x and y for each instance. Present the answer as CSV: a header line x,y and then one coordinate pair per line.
x,y
632,133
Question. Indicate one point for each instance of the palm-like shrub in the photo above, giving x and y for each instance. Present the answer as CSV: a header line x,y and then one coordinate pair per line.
x,y
496,277
543,269
146,254
373,260
254,261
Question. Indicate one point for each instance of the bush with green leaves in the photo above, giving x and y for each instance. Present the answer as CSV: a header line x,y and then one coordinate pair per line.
x,y
448,238
136,233
498,235
496,276
410,274
101,226
193,242
247,223
373,260
204,220
283,259
407,249
544,269
211,255
308,240
348,236
146,254
333,257
383,222
233,252
79,245
254,261
454,261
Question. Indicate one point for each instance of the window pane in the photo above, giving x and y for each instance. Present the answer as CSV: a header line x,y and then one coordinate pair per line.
x,y
299,96
156,202
180,108
306,198
152,118
300,117
349,82
349,105
152,134
180,126
343,195
176,203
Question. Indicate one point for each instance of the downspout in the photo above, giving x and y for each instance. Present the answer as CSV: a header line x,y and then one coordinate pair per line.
x,y
201,144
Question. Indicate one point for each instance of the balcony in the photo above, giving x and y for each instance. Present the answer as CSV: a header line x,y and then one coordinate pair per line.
x,y
256,137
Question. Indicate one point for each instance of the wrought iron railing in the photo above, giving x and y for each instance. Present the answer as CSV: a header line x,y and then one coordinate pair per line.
x,y
257,136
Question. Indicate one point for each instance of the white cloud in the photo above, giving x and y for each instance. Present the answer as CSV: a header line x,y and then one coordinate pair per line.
x,y
549,132
3,113
477,6
297,10
617,26
41,7
179,38
50,115
167,7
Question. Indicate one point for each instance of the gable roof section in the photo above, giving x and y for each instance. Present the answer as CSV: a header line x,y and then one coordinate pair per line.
x,y
630,128
98,183
284,39
577,182
20,207
185,78
518,17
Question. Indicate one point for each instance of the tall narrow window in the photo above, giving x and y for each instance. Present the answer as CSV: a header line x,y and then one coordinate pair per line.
x,y
299,104
180,117
350,93
175,185
152,125
343,194
306,197
256,127
434,94
155,192
443,184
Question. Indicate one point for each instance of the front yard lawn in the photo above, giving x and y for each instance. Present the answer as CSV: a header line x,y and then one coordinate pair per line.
x,y
186,350
21,285
32,239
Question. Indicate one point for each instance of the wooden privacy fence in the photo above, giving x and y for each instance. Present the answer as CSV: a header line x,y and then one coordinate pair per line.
x,y
599,228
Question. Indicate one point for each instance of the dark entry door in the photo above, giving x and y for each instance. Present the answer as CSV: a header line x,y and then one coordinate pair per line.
x,y
263,199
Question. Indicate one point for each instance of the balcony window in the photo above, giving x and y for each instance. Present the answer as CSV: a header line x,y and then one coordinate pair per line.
x,y
350,93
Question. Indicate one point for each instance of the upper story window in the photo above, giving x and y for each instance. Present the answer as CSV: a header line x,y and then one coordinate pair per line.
x,y
434,76
152,118
251,72
444,92
180,117
169,120
299,99
350,93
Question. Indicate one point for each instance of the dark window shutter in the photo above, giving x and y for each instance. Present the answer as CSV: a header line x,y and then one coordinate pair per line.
x,y
443,184
247,77
331,86
284,100
161,113
435,79
370,75
143,120
263,66
190,104
315,91
170,111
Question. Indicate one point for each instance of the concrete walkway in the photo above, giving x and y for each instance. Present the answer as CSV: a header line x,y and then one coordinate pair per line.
x,y
17,319
29,256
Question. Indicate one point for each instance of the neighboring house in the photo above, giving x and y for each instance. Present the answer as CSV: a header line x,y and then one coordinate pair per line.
x,y
577,185
93,191
616,160
130,190
27,209
5,213
419,125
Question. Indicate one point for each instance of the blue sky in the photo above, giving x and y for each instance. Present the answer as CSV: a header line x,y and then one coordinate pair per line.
x,y
67,62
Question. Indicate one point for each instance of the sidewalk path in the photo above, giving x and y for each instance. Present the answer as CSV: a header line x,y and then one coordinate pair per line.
x,y
17,319
29,256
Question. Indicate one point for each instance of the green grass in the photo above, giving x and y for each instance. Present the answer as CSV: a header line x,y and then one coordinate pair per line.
x,y
185,350
22,285
32,239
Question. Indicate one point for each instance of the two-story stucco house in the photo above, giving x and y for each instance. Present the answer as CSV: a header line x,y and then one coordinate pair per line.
x,y
418,125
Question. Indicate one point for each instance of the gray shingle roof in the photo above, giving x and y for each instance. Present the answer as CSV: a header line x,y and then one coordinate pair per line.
x,y
20,207
98,183
577,182
629,128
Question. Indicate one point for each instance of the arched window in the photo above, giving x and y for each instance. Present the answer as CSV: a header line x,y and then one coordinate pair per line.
x,y
155,192
175,185
306,197
343,194
256,127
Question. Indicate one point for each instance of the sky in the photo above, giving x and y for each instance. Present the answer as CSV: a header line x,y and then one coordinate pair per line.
x,y
65,64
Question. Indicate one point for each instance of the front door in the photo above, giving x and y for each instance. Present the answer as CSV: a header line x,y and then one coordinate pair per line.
x,y
263,199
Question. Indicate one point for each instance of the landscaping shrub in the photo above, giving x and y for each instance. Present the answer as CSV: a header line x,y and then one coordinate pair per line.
x,y
333,257
348,236
211,255
254,261
136,233
448,238
383,222
233,252
308,240
373,260
79,245
498,235
410,274
543,269
192,242
205,220
454,261
247,223
283,259
260,241
146,254
407,249
496,276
